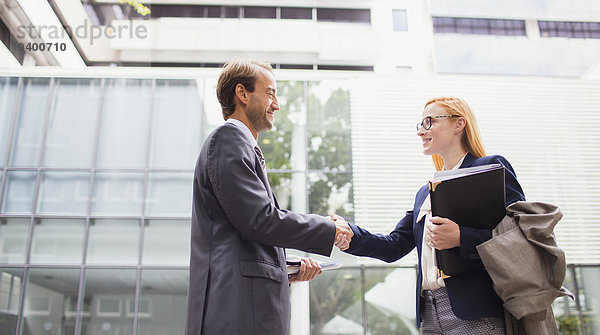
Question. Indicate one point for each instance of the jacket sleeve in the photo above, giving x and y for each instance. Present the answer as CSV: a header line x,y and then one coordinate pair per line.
x,y
471,237
232,166
388,248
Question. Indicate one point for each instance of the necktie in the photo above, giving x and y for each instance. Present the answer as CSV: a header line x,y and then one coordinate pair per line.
x,y
263,164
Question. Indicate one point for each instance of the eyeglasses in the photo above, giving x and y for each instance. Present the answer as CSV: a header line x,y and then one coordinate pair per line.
x,y
428,120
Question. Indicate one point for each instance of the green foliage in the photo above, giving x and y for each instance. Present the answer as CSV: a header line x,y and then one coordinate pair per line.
x,y
330,150
138,6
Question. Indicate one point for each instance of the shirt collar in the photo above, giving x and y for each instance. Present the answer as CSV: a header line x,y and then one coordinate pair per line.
x,y
457,166
245,130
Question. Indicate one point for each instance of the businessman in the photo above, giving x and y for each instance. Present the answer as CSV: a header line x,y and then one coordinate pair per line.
x,y
238,278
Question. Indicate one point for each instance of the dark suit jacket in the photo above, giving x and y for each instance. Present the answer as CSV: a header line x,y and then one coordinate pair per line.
x,y
238,278
471,294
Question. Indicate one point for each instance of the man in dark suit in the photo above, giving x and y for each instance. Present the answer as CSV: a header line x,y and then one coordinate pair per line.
x,y
238,278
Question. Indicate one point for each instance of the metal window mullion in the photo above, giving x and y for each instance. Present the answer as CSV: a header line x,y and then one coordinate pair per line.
x,y
18,98
306,135
363,300
138,280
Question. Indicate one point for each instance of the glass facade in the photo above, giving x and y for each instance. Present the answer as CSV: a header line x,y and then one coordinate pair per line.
x,y
96,177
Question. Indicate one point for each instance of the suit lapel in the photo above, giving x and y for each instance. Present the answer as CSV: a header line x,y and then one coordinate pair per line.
x,y
468,161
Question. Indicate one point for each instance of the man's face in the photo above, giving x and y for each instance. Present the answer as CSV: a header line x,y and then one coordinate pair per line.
x,y
263,102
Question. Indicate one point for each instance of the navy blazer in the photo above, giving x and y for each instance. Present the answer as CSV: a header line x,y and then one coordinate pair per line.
x,y
471,294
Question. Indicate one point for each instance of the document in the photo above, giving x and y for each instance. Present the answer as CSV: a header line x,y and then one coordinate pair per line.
x,y
293,266
472,197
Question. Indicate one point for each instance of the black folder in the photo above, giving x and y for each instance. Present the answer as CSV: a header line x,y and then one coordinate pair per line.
x,y
472,197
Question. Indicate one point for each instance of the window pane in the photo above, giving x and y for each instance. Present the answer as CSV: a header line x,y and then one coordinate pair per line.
x,y
384,288
114,242
336,297
166,242
11,282
64,193
170,194
296,13
259,12
232,12
8,90
344,15
18,194
57,241
284,145
163,302
331,193
26,146
290,190
118,193
590,301
565,309
107,294
329,127
214,11
75,103
124,125
177,110
50,293
13,240
399,19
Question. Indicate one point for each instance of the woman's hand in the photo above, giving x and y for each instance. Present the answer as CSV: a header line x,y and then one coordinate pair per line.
x,y
443,233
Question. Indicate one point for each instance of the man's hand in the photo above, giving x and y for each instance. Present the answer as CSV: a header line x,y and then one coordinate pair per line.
x,y
309,269
443,233
343,233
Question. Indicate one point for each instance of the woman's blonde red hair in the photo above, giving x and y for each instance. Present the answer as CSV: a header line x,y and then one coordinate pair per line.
x,y
471,139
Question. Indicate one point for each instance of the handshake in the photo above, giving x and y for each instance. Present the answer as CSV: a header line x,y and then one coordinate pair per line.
x,y
343,233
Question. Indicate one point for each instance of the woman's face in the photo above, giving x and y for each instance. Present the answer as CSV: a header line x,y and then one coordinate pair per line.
x,y
442,134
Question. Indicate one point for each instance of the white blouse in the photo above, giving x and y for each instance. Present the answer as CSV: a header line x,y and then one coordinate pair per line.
x,y
429,270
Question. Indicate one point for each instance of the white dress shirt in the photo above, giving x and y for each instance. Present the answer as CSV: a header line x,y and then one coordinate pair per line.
x,y
245,129
429,270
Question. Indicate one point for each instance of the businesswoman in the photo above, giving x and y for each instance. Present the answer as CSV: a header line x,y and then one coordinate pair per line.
x,y
465,303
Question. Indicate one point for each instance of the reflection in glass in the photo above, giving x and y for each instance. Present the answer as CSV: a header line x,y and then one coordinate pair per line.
x,y
169,194
336,297
18,194
284,145
57,241
108,292
113,242
11,282
118,193
565,309
590,304
13,240
30,121
166,242
385,315
8,91
331,193
329,145
124,123
177,110
49,295
63,193
75,103
290,190
163,302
